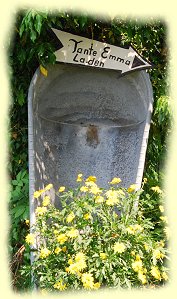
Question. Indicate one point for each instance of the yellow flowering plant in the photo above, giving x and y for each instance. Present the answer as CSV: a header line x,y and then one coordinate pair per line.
x,y
98,238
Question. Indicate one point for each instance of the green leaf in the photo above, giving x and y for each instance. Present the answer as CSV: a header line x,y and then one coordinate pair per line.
x,y
22,28
38,23
14,182
19,211
26,213
83,21
20,97
33,35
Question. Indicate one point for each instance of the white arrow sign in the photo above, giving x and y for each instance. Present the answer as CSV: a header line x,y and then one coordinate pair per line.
x,y
80,50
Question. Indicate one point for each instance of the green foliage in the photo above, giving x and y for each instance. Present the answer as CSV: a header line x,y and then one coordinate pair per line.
x,y
19,209
32,45
19,216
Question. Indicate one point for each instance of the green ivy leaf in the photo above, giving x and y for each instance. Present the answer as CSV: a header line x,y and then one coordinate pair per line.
x,y
20,97
33,35
38,23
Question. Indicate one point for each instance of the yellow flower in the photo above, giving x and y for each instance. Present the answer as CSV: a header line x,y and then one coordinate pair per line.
x,y
46,201
133,253
87,280
55,231
133,229
157,189
73,233
70,261
96,285
91,187
137,265
70,217
161,243
130,230
112,197
73,268
67,269
62,238
119,247
115,181
144,270
146,247
80,256
90,184
138,258
91,179
111,201
38,193
84,189
132,188
27,221
64,248
79,177
111,193
48,187
61,189
142,277
95,190
40,210
30,239
44,253
58,250
161,208
81,265
164,276
157,254
155,272
164,219
103,255
145,180
99,199
60,285
87,216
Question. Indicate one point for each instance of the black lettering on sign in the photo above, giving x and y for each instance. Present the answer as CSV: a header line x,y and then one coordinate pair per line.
x,y
127,62
82,60
91,49
120,59
79,50
76,43
74,59
104,52
90,62
96,62
86,51
112,57
101,64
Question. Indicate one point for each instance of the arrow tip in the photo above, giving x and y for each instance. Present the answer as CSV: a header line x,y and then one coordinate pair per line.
x,y
137,62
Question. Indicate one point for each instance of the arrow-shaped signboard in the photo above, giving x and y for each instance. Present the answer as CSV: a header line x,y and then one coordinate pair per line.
x,y
80,50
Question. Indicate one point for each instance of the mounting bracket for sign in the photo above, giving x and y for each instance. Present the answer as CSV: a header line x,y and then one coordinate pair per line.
x,y
79,50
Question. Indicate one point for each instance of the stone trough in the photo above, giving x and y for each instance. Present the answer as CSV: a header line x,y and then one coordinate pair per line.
x,y
90,121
